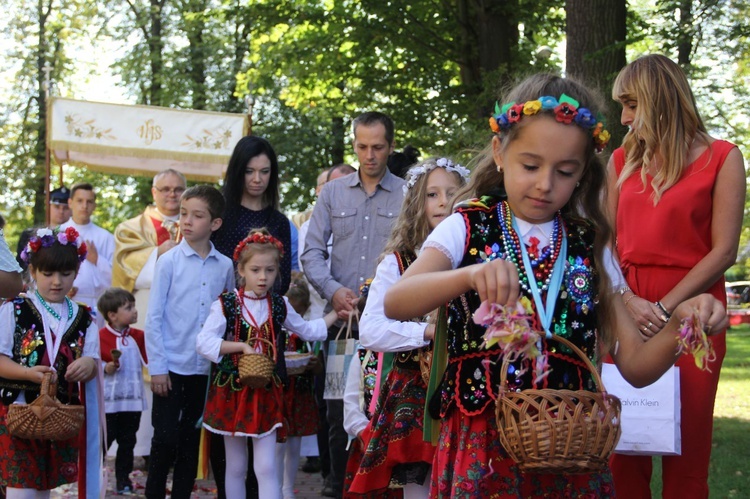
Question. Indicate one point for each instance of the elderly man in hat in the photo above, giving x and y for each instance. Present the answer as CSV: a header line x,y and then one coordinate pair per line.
x,y
59,213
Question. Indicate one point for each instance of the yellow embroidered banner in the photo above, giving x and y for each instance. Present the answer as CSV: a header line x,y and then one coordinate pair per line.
x,y
135,140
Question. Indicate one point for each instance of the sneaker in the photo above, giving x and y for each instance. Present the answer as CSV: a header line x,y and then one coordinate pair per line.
x,y
125,489
327,490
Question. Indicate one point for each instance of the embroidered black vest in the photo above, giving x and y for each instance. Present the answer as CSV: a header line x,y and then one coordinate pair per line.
x,y
472,377
30,349
227,371
410,358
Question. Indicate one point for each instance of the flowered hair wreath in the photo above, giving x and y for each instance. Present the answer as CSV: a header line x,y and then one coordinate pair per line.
x,y
46,238
567,110
413,174
258,238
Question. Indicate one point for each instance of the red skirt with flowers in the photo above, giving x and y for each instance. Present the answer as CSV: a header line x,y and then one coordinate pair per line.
x,y
470,462
36,464
396,453
352,465
252,412
300,406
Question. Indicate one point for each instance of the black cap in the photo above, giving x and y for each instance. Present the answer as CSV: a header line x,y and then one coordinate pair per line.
x,y
59,195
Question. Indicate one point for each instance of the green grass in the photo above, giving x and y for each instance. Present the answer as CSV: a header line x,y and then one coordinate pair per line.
x,y
729,472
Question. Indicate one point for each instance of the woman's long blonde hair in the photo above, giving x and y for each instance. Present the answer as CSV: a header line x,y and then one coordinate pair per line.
x,y
666,121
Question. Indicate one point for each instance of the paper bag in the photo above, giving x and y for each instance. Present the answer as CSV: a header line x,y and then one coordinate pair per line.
x,y
340,353
650,415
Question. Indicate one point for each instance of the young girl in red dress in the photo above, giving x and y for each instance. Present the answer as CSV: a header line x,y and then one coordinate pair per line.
x,y
678,204
234,322
44,331
396,454
536,231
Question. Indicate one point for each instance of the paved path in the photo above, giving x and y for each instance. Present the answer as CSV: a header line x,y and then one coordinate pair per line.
x,y
307,485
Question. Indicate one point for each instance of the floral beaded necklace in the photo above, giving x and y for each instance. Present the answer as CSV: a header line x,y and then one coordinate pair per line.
x,y
536,279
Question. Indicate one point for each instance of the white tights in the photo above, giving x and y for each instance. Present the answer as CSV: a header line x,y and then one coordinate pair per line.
x,y
13,493
416,491
289,459
264,464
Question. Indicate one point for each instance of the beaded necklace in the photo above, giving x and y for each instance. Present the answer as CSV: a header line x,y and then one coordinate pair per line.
x,y
541,266
254,324
52,311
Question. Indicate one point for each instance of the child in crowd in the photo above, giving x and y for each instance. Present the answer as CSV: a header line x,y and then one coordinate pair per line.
x,y
236,320
43,332
397,455
187,279
299,396
537,231
123,353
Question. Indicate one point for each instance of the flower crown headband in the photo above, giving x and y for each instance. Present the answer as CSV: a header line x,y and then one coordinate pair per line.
x,y
413,174
45,238
567,110
257,238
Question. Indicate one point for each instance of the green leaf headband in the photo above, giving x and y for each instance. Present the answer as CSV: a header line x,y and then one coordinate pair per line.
x,y
567,110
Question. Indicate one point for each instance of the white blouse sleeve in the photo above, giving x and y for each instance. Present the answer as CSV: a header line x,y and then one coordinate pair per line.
x,y
378,332
314,330
612,267
7,328
449,238
208,341
355,419
91,346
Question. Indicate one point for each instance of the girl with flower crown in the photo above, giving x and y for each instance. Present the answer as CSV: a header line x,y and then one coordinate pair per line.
x,y
236,320
395,454
534,234
43,332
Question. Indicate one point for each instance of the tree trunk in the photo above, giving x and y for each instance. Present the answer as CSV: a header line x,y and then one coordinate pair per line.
x,y
596,50
488,38
40,149
685,33
155,48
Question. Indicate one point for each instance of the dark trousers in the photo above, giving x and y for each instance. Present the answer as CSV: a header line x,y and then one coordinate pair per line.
x,y
337,436
176,436
218,461
122,427
322,436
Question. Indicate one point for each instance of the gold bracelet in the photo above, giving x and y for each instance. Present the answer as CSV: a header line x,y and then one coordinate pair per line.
x,y
630,298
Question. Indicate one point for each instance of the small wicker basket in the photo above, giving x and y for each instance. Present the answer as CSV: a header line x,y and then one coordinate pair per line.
x,y
559,431
256,369
425,364
46,418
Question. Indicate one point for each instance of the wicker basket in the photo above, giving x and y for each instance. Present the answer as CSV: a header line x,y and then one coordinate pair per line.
x,y
296,362
425,364
46,418
559,431
256,369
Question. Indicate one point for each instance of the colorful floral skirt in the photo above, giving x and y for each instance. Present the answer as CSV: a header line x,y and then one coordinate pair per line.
x,y
36,464
352,465
396,453
252,412
300,407
470,462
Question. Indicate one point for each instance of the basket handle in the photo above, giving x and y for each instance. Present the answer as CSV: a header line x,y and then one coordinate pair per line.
x,y
273,347
594,371
48,387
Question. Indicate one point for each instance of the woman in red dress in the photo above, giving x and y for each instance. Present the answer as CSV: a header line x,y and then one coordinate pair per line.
x,y
676,197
